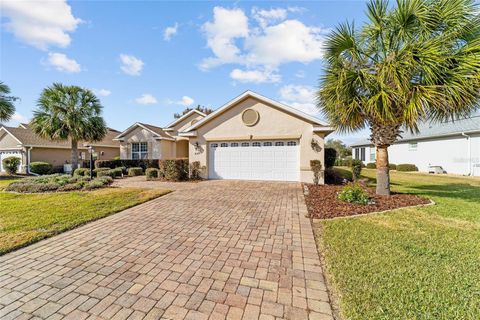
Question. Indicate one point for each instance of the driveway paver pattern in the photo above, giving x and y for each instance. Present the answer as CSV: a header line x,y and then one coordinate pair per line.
x,y
215,250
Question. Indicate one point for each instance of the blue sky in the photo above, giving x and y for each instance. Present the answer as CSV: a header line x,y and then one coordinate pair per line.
x,y
148,60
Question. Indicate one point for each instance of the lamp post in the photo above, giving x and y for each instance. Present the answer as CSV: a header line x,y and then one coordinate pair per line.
x,y
91,151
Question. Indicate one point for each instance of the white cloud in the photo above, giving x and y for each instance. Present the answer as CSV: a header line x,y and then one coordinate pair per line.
x,y
16,119
103,92
63,63
131,65
270,41
146,99
299,97
40,23
255,76
169,32
185,101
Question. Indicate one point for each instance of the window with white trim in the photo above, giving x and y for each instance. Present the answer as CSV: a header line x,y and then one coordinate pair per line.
x,y
412,146
256,144
291,143
372,154
214,145
245,144
223,144
267,144
234,144
279,144
139,150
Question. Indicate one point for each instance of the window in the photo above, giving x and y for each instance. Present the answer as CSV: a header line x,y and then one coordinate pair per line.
x,y
139,150
372,154
362,154
357,153
412,146
223,144
279,144
245,144
267,144
234,144
291,143
214,145
256,144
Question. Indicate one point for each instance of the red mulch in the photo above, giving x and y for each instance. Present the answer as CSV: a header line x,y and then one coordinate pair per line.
x,y
322,202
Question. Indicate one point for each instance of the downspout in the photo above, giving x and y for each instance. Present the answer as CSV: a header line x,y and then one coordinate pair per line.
x,y
469,152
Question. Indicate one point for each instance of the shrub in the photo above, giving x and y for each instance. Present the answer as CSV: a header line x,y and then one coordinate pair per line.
x,y
97,170
151,173
392,166
316,166
107,173
41,167
135,171
127,163
371,165
407,167
354,193
174,169
118,172
356,169
94,184
82,172
195,170
11,164
330,157
343,162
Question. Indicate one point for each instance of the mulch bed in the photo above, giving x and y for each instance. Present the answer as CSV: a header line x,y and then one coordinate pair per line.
x,y
322,202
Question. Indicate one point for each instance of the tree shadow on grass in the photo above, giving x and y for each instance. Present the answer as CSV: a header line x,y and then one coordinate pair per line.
x,y
461,191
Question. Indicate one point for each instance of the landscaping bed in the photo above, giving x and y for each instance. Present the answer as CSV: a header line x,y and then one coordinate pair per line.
x,y
322,202
57,183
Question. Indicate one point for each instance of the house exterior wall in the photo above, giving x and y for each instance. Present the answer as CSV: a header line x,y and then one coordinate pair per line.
x,y
451,153
273,124
140,134
168,149
7,141
185,123
181,147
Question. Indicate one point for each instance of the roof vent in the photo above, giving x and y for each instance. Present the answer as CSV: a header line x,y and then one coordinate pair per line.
x,y
250,117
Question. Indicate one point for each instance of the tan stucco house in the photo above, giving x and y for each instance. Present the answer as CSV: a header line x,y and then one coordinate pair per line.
x,y
251,137
23,143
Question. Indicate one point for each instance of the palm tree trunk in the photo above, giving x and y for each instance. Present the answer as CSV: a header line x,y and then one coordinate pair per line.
x,y
74,155
383,172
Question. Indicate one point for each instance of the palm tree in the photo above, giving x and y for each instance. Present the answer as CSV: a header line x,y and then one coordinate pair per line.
x,y
69,113
7,109
417,61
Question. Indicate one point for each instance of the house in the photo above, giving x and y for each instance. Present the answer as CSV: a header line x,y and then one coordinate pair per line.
x,y
23,143
453,145
251,137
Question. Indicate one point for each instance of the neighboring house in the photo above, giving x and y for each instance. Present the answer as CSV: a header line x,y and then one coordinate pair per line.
x,y
453,145
23,143
249,138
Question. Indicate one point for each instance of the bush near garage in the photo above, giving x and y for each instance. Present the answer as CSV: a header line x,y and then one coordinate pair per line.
x,y
174,169
127,163
330,157
152,173
41,168
406,167
135,171
11,164
316,166
57,182
195,170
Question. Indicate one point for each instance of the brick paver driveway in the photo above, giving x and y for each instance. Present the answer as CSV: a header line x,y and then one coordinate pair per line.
x,y
240,250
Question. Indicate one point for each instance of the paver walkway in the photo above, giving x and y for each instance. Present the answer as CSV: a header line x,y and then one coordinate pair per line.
x,y
221,249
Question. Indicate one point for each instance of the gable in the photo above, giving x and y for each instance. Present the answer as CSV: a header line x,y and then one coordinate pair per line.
x,y
272,122
138,134
187,122
7,141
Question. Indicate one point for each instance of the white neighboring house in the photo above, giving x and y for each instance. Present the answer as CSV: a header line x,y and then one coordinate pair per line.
x,y
453,145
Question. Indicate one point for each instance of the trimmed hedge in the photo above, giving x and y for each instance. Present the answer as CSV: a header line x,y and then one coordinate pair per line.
x,y
135,171
407,167
41,167
57,182
392,166
343,162
11,164
330,157
127,163
195,170
174,169
82,172
371,165
152,173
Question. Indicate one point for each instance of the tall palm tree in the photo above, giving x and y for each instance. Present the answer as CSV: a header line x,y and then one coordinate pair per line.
x,y
7,109
416,61
69,113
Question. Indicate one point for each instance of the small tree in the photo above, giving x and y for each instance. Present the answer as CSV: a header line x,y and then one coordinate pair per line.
x,y
11,164
356,169
7,109
330,157
342,150
69,113
316,166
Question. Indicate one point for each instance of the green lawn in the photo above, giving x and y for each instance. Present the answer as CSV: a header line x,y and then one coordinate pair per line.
x,y
27,218
421,263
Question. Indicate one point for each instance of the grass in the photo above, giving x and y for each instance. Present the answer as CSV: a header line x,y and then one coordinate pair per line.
x,y
421,263
28,218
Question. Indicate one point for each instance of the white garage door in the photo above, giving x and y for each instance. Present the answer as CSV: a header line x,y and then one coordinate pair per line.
x,y
255,160
6,154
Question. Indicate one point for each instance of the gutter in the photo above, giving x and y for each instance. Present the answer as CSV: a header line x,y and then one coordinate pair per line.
x,y
469,152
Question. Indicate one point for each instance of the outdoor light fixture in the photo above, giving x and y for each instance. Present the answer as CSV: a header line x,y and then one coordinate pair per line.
x,y
196,146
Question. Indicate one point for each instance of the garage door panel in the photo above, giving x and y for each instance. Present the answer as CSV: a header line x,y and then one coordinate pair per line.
x,y
264,161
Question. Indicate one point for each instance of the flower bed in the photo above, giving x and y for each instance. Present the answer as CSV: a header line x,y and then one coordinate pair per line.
x,y
57,183
323,203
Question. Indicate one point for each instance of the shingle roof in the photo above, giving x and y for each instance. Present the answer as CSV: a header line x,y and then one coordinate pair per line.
x,y
28,138
432,130
156,130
